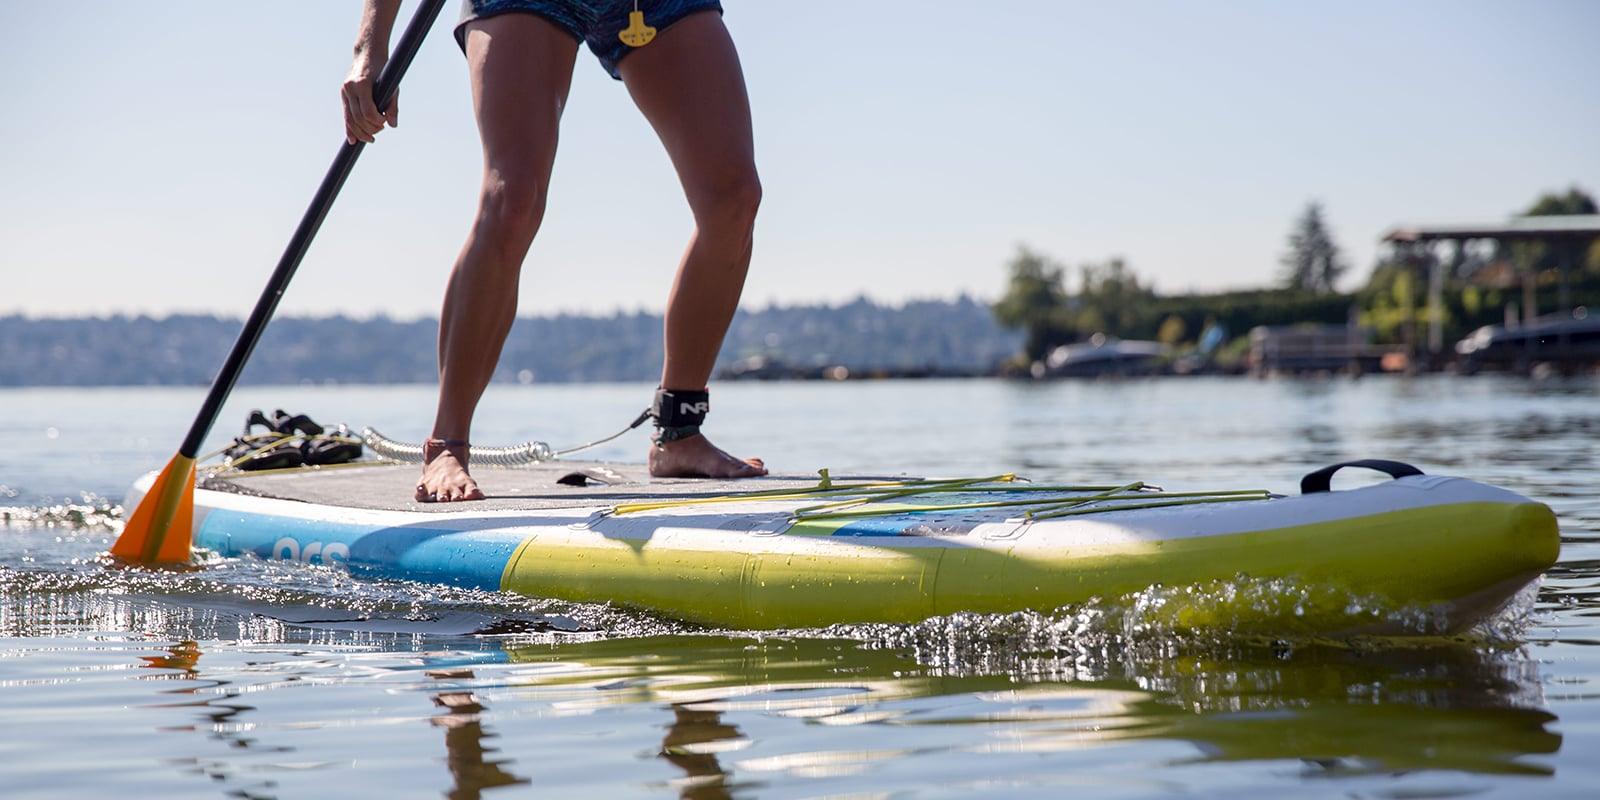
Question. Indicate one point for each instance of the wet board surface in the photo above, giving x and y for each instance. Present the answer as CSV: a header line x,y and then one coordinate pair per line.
x,y
389,487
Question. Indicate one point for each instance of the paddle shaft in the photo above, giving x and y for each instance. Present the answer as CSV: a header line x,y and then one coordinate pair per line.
x,y
383,93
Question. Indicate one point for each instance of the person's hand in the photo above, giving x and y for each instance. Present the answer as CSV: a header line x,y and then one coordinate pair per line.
x,y
362,121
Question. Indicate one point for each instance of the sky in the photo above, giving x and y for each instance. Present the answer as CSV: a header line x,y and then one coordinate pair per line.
x,y
154,158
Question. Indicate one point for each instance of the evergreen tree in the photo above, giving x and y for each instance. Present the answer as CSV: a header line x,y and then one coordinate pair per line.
x,y
1312,262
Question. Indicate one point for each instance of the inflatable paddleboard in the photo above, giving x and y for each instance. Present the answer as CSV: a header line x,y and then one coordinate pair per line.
x,y
780,552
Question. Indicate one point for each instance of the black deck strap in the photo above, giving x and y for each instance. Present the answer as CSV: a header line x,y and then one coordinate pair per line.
x,y
593,476
679,413
1322,479
258,418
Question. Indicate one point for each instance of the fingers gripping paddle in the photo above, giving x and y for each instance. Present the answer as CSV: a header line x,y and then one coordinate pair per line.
x,y
160,529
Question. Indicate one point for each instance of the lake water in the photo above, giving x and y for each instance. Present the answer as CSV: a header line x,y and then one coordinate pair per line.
x,y
248,679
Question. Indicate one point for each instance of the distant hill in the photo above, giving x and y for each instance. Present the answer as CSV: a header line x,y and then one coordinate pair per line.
x,y
957,335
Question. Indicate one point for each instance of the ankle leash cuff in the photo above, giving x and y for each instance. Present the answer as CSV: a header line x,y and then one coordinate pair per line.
x,y
679,413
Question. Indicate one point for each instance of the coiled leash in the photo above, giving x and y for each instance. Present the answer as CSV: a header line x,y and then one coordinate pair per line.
x,y
678,413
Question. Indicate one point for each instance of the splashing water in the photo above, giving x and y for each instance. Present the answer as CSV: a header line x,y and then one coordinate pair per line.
x,y
55,577
93,513
1150,628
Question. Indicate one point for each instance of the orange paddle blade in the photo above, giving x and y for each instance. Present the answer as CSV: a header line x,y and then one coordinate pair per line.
x,y
161,527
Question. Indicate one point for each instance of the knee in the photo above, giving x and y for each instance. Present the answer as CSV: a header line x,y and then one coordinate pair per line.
x,y
511,206
728,204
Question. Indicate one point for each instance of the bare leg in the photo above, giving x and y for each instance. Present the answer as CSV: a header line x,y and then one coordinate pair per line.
x,y
689,85
521,69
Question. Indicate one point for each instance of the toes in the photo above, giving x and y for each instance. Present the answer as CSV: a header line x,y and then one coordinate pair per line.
x,y
734,468
453,494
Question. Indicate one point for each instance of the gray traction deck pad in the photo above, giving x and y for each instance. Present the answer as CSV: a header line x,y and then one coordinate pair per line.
x,y
390,486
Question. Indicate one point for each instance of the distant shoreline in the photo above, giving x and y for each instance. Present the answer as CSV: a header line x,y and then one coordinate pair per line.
x,y
858,341
1306,377
959,336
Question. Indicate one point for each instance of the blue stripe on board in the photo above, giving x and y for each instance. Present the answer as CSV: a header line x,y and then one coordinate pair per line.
x,y
427,553
907,525
875,526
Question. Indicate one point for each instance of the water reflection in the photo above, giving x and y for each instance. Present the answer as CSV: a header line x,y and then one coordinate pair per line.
x,y
182,656
1336,710
844,709
466,755
216,707
692,744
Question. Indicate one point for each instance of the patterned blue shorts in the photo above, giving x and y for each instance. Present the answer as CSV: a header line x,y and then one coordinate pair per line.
x,y
594,21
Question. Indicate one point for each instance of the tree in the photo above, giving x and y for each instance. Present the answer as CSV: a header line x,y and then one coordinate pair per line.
x,y
1112,300
1312,262
1539,256
1575,201
1035,302
1389,300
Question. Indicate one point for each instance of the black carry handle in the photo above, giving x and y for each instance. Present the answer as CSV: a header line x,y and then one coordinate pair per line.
x,y
383,94
1322,479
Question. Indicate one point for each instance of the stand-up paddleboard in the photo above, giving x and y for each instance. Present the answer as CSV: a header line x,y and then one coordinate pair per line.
x,y
779,552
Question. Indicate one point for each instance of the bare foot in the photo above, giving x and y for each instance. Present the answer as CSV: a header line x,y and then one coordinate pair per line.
x,y
697,457
444,475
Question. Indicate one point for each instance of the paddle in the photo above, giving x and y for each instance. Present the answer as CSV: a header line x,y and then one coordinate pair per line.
x,y
160,529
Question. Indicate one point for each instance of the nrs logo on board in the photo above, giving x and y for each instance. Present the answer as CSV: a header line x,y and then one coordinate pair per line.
x,y
287,549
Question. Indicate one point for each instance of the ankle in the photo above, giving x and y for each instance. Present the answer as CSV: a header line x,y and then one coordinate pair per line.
x,y
432,448
680,442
